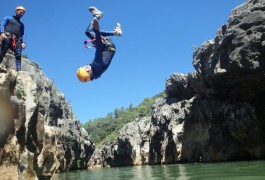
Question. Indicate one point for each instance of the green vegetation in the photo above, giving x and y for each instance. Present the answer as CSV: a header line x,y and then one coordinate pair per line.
x,y
25,56
20,93
106,129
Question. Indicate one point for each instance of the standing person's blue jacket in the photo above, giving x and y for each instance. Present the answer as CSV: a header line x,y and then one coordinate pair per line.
x,y
13,25
13,36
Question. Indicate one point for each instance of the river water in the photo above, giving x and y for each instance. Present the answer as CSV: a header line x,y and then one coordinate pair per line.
x,y
244,170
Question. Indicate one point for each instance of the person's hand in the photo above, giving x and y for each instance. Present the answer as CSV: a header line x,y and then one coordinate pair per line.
x,y
3,36
88,69
23,45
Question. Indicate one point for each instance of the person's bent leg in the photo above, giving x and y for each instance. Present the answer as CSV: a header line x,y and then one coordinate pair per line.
x,y
116,32
107,33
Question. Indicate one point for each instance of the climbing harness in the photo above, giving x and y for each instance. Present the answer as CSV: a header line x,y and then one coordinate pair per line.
x,y
88,41
108,45
13,41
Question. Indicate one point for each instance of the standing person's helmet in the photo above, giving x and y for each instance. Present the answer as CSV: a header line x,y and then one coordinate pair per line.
x,y
83,75
20,8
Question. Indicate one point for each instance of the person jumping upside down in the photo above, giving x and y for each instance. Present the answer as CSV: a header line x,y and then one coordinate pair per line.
x,y
105,49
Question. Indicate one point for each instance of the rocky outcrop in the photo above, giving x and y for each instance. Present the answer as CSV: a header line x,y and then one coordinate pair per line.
x,y
39,134
131,147
223,121
214,114
232,65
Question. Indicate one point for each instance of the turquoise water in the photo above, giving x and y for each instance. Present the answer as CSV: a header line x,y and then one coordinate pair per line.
x,y
246,170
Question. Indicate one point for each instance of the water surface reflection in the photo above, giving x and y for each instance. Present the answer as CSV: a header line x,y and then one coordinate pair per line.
x,y
209,171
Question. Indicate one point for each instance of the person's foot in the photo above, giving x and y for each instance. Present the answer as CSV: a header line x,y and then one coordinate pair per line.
x,y
117,30
96,13
2,68
95,24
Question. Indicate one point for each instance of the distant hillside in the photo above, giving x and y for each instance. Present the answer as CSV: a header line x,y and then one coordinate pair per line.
x,y
102,129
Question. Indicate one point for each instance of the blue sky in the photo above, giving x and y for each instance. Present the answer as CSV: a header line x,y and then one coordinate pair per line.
x,y
158,39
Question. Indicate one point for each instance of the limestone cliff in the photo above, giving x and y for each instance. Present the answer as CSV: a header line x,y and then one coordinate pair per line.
x,y
39,134
214,114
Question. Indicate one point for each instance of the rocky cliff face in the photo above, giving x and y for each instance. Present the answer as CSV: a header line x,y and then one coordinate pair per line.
x,y
131,147
39,133
214,114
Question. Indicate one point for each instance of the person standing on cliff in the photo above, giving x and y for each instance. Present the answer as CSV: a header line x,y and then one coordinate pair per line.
x,y
105,49
13,36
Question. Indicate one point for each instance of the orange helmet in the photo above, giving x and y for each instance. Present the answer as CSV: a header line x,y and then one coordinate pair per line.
x,y
83,75
20,8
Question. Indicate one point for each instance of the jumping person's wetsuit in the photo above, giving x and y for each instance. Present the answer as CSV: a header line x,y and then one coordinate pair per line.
x,y
104,51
